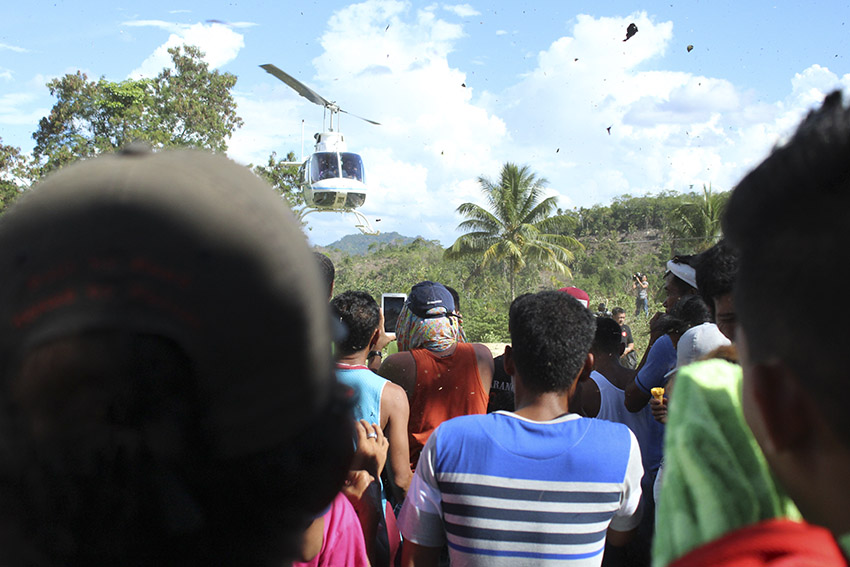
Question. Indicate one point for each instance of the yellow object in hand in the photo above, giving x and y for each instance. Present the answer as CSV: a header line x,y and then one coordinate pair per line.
x,y
657,393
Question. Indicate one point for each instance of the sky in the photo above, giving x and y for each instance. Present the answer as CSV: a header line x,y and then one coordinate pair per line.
x,y
462,88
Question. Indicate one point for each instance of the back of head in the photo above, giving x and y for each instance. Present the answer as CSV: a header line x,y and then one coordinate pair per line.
x,y
360,314
551,334
427,319
692,311
688,312
609,336
779,220
327,271
166,381
715,272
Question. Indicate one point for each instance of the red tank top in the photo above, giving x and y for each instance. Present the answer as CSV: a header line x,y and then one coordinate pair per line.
x,y
446,387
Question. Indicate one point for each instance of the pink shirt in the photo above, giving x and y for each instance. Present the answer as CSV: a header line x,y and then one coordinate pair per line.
x,y
343,544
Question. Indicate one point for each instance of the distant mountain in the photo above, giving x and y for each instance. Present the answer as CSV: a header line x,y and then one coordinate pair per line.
x,y
358,244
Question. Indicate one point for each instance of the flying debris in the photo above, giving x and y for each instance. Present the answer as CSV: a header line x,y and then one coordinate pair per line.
x,y
463,85
609,130
387,28
630,31
690,48
558,150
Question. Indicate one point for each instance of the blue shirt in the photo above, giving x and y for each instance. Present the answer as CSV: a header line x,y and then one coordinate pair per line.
x,y
660,360
503,490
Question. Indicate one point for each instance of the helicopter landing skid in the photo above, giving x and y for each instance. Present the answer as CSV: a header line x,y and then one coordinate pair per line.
x,y
363,226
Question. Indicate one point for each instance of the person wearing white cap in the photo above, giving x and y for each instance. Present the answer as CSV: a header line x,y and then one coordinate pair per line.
x,y
697,343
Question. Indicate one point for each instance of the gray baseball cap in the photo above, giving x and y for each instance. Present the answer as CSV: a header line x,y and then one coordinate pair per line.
x,y
185,245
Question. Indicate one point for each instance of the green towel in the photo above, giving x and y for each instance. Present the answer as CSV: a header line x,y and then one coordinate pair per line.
x,y
715,477
844,544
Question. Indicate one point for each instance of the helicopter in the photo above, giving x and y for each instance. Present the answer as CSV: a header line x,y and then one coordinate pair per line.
x,y
332,179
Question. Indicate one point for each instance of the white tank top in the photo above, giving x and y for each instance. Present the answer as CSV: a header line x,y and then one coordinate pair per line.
x,y
649,433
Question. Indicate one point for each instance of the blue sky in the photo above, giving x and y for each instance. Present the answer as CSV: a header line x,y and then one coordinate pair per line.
x,y
543,81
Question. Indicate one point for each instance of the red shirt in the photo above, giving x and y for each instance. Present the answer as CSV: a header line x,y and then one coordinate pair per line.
x,y
446,387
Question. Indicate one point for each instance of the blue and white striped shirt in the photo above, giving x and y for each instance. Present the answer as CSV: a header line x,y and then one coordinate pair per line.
x,y
504,490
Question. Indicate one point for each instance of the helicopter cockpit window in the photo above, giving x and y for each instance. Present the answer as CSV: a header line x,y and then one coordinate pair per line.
x,y
325,165
352,166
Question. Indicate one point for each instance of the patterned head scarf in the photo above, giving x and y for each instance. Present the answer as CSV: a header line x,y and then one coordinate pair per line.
x,y
435,334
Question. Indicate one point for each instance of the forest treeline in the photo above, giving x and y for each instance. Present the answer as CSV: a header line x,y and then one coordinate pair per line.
x,y
632,234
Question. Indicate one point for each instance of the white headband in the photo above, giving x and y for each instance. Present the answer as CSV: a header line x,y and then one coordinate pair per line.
x,y
684,272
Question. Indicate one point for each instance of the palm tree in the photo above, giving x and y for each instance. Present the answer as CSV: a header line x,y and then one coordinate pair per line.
x,y
519,228
699,221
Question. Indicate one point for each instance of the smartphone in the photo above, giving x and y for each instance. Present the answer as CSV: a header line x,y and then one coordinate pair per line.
x,y
392,303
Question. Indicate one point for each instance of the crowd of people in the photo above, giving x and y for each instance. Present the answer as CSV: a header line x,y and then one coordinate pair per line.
x,y
183,385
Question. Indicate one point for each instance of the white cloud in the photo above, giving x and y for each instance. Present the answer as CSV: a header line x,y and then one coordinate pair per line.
x,y
807,87
670,130
461,10
218,41
401,77
15,48
16,109
272,123
5,74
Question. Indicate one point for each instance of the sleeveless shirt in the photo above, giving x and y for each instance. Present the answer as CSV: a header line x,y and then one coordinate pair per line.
x,y
649,433
446,387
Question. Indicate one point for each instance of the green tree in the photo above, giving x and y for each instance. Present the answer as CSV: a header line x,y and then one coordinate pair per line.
x,y
187,105
520,227
283,176
13,174
194,106
697,223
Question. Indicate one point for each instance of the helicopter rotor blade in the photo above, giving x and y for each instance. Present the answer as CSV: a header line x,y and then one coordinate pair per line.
x,y
297,86
309,93
360,117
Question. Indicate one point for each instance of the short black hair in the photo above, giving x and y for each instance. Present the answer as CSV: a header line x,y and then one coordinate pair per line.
x,y
551,334
690,311
327,271
715,270
360,314
617,311
782,220
608,337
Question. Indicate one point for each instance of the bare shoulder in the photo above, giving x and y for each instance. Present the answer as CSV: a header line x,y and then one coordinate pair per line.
x,y
395,398
398,362
485,364
483,354
586,399
400,369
